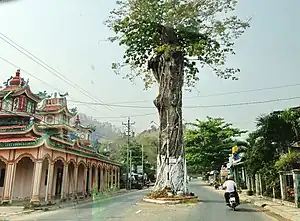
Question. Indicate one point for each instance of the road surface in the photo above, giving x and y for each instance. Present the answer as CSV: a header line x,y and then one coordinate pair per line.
x,y
129,207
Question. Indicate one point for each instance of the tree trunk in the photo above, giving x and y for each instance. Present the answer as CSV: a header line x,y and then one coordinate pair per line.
x,y
167,68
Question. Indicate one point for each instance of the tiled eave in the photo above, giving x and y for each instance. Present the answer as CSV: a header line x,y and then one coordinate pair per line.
x,y
56,111
63,126
45,139
19,91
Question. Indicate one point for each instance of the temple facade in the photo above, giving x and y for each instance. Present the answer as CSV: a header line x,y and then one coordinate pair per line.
x,y
45,152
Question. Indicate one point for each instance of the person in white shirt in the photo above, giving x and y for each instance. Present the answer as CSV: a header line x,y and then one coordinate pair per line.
x,y
230,187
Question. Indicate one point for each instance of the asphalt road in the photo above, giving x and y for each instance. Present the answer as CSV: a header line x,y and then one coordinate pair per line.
x,y
128,207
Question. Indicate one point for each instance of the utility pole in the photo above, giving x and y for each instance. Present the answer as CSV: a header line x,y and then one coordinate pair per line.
x,y
130,169
128,132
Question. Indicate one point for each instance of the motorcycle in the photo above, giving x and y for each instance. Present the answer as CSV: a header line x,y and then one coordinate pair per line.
x,y
232,201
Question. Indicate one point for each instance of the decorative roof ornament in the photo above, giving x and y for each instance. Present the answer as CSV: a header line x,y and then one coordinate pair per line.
x,y
6,83
43,94
16,80
77,121
64,95
31,120
91,127
74,111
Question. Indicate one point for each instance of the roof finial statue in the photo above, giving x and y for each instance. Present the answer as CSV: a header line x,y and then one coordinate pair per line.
x,y
64,95
77,121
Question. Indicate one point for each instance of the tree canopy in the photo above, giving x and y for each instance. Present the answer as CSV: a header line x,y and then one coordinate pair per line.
x,y
209,143
271,141
201,30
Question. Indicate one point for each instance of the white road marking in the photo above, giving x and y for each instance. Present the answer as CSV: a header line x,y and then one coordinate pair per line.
x,y
138,211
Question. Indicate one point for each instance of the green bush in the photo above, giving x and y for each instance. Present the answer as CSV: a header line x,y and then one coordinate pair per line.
x,y
288,161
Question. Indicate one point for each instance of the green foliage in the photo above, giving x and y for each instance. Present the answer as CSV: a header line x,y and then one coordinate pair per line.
x,y
288,161
274,135
205,34
209,143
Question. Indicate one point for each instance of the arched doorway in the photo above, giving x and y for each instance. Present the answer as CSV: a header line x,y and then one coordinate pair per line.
x,y
71,179
58,178
104,182
93,171
23,179
2,176
99,179
81,179
44,178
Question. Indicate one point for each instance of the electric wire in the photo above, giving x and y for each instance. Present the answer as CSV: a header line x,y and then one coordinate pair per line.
x,y
217,94
198,106
51,70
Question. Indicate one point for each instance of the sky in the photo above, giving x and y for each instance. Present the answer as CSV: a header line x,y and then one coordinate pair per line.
x,y
69,36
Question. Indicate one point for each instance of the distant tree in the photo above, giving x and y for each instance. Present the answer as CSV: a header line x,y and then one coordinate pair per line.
x,y
209,143
168,41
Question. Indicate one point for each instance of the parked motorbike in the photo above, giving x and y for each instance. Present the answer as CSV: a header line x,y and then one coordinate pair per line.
x,y
232,201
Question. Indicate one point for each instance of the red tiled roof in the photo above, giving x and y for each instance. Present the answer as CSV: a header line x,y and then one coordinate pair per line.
x,y
17,139
51,108
11,88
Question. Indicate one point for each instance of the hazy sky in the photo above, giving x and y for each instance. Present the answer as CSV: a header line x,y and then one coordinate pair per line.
x,y
68,36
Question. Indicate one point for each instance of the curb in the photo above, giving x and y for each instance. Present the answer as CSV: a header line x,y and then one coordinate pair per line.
x,y
161,202
170,201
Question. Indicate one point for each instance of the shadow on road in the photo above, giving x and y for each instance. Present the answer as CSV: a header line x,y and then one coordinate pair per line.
x,y
247,210
212,201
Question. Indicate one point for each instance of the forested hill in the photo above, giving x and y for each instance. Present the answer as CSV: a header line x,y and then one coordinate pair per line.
x,y
104,130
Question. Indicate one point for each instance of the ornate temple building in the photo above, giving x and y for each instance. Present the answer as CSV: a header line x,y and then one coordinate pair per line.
x,y
44,154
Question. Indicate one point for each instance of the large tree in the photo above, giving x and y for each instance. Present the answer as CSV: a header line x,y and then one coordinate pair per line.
x,y
209,143
275,133
167,41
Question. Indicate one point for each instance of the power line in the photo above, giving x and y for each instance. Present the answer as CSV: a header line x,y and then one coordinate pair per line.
x,y
217,94
136,115
199,106
44,82
50,69
32,75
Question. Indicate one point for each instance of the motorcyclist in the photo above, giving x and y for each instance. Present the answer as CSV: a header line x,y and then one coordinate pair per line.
x,y
230,187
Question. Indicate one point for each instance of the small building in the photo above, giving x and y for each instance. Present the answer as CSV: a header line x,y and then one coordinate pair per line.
x,y
40,160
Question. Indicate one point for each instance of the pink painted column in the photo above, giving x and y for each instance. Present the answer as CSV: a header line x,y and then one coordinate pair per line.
x,y
65,179
101,179
90,180
118,178
9,182
112,171
85,180
108,178
76,180
50,182
35,198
